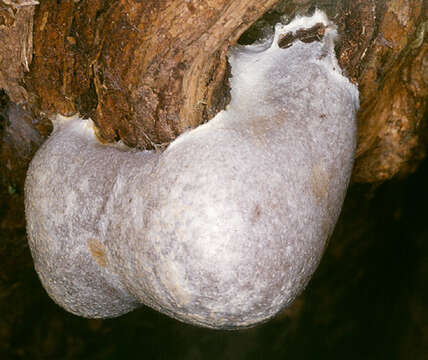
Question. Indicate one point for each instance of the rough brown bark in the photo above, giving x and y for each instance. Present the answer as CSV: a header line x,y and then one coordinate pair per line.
x,y
16,24
152,69
387,53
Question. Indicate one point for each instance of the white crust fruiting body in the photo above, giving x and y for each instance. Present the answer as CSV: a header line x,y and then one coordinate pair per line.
x,y
226,226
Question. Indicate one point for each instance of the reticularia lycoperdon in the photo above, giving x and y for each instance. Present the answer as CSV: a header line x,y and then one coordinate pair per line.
x,y
226,226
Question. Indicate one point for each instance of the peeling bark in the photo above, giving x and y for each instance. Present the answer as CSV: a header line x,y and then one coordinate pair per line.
x,y
16,45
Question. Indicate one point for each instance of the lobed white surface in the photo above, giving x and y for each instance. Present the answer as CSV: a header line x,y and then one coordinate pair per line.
x,y
226,226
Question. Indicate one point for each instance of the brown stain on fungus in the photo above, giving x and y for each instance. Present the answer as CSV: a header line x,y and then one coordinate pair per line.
x,y
262,128
256,213
319,182
96,248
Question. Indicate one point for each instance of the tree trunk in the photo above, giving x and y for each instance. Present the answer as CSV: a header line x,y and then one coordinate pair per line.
x,y
146,71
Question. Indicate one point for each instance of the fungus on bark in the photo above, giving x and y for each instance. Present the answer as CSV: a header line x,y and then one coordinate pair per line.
x,y
225,227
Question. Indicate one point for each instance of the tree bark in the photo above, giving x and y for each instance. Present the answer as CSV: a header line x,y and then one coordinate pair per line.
x,y
144,71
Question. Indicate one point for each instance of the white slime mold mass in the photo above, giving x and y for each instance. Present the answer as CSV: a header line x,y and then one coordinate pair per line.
x,y
226,226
